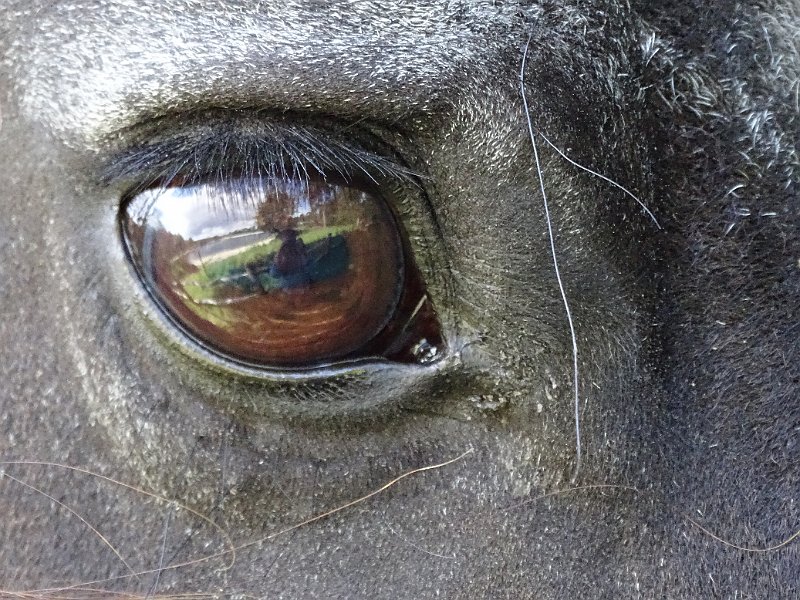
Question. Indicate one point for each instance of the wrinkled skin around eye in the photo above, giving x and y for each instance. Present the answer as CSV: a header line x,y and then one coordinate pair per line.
x,y
156,457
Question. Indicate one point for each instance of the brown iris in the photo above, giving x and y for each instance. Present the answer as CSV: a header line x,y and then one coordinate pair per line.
x,y
284,272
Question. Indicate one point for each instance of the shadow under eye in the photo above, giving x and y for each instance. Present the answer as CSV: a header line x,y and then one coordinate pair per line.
x,y
285,272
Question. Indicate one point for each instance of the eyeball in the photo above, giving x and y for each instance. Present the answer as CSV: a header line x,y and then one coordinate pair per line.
x,y
285,272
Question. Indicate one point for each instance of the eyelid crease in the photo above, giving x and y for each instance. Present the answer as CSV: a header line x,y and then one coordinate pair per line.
x,y
210,149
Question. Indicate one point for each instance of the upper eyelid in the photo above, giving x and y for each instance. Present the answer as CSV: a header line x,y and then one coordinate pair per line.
x,y
221,146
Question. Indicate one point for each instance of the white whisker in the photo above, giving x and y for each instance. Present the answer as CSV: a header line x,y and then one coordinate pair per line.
x,y
603,177
573,337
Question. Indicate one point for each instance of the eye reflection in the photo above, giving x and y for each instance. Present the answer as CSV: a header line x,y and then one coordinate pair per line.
x,y
283,272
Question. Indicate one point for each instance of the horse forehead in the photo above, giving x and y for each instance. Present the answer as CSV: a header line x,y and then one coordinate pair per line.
x,y
86,68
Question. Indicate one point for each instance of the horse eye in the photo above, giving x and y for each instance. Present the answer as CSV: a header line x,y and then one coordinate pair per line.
x,y
284,273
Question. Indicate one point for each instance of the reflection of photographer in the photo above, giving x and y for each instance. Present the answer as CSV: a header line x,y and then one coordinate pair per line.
x,y
292,256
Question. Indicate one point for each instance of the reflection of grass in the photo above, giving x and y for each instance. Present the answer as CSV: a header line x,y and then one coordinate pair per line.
x,y
199,286
217,315
314,235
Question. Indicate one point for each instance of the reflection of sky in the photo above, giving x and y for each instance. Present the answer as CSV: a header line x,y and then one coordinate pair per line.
x,y
205,211
303,206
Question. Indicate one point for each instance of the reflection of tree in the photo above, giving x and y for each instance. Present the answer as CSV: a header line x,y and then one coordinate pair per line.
x,y
351,207
276,211
329,205
173,248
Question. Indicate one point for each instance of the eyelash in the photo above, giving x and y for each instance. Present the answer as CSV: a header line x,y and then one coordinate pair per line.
x,y
228,151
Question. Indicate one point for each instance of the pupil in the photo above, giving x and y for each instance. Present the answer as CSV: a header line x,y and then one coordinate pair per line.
x,y
282,272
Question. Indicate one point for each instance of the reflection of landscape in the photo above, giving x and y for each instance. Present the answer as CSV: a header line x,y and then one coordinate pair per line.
x,y
275,272
231,269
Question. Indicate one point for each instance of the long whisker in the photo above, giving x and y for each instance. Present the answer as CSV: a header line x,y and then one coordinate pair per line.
x,y
76,514
573,337
603,177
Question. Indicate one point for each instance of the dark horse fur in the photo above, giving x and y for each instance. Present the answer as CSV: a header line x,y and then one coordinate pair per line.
x,y
687,333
